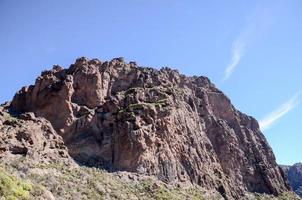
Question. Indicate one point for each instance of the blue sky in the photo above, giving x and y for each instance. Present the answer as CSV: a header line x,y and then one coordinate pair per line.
x,y
250,49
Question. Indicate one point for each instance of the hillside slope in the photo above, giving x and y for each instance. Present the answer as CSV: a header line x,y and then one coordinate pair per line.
x,y
118,116
294,175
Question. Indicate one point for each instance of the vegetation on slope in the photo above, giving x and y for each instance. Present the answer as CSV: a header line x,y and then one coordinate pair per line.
x,y
91,183
63,182
12,188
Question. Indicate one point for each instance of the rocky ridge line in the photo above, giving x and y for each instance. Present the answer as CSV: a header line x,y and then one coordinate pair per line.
x,y
123,117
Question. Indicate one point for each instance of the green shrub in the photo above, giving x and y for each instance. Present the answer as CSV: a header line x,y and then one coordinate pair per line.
x,y
136,106
161,103
12,188
10,120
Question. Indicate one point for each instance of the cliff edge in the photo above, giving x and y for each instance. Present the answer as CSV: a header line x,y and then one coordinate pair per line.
x,y
122,117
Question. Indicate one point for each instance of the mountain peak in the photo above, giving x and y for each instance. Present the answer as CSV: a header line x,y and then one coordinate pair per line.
x,y
120,117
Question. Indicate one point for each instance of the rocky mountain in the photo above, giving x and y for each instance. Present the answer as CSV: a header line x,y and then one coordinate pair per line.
x,y
121,117
32,137
294,175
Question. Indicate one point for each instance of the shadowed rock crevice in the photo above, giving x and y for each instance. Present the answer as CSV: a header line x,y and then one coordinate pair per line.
x,y
120,116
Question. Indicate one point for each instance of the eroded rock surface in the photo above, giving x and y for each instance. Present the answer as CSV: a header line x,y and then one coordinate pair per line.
x,y
294,175
120,116
30,139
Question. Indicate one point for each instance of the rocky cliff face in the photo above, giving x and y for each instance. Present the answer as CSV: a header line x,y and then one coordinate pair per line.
x,y
294,175
31,138
120,116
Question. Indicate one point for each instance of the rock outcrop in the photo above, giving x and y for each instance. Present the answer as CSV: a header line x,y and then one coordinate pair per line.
x,y
294,175
123,117
31,138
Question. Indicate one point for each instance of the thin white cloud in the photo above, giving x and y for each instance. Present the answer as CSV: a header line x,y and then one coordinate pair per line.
x,y
258,23
239,47
237,53
269,120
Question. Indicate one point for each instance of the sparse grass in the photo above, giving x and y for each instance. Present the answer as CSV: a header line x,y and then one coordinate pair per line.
x,y
288,196
132,114
284,196
10,118
131,108
12,188
140,106
91,183
136,106
160,103
163,192
66,182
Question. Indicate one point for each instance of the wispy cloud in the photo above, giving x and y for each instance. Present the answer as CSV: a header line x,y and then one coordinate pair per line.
x,y
237,53
257,24
239,46
269,120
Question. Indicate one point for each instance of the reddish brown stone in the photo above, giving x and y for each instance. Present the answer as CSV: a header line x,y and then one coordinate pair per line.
x,y
120,116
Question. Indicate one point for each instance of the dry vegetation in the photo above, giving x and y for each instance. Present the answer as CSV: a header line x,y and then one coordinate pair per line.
x,y
48,181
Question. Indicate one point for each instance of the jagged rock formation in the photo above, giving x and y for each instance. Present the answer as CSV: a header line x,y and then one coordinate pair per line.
x,y
294,175
120,116
30,137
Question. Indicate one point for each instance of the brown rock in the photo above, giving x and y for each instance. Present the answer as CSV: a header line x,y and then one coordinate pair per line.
x,y
294,175
33,139
120,116
28,116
